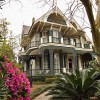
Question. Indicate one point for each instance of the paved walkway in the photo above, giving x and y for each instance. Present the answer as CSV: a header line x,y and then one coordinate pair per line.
x,y
43,97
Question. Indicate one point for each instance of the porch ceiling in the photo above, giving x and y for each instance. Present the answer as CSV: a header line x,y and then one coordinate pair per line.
x,y
84,51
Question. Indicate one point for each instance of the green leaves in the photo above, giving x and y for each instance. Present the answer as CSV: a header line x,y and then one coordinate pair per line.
x,y
7,50
3,88
78,85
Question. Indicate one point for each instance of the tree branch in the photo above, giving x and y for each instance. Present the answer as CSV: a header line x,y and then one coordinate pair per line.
x,y
88,6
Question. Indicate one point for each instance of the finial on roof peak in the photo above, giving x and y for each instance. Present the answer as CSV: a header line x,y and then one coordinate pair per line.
x,y
55,5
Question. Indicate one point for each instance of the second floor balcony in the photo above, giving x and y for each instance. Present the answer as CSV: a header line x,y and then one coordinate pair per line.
x,y
33,45
62,41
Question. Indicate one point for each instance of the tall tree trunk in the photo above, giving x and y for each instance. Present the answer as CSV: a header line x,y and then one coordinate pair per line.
x,y
95,26
98,30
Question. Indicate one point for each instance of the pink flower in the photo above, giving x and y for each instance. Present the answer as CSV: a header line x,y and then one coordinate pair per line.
x,y
9,65
27,98
20,98
22,74
17,82
15,92
11,71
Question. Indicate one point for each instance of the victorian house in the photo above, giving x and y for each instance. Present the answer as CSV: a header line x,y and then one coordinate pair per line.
x,y
52,45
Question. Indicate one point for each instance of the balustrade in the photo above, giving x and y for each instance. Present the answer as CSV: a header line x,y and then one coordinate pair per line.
x,y
65,41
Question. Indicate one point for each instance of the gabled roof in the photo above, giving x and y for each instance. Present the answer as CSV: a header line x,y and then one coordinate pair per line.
x,y
55,13
53,10
58,11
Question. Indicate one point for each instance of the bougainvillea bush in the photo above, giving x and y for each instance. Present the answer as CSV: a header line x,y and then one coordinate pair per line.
x,y
17,83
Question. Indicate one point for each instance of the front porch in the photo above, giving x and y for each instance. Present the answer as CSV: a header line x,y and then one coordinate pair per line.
x,y
55,61
51,62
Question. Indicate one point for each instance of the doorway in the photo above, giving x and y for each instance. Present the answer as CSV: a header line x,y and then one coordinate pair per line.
x,y
70,65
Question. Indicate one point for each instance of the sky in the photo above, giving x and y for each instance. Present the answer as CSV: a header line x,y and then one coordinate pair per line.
x,y
19,14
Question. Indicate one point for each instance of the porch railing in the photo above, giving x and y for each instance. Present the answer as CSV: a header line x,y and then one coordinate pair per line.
x,y
38,72
33,44
34,72
87,46
56,40
78,45
45,40
67,42
57,71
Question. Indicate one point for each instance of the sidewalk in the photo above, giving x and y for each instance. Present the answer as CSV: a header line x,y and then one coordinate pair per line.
x,y
43,97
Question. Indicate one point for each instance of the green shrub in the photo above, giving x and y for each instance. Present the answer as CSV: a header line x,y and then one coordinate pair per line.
x,y
38,79
50,80
42,78
80,85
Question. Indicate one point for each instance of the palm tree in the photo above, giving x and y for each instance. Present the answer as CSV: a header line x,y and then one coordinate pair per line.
x,y
79,85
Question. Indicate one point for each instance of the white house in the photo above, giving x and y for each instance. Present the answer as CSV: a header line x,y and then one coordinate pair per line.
x,y
53,44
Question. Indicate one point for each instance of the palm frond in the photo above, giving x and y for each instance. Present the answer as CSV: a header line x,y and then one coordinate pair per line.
x,y
80,84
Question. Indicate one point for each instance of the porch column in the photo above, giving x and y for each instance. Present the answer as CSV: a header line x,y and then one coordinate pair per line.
x,y
61,60
65,59
42,59
78,61
51,61
40,62
64,62
24,69
74,60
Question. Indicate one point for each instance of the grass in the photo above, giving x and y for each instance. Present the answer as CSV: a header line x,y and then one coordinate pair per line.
x,y
40,89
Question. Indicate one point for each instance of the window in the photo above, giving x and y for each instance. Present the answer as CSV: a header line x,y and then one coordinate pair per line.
x,y
46,61
56,63
56,38
55,34
44,37
44,34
